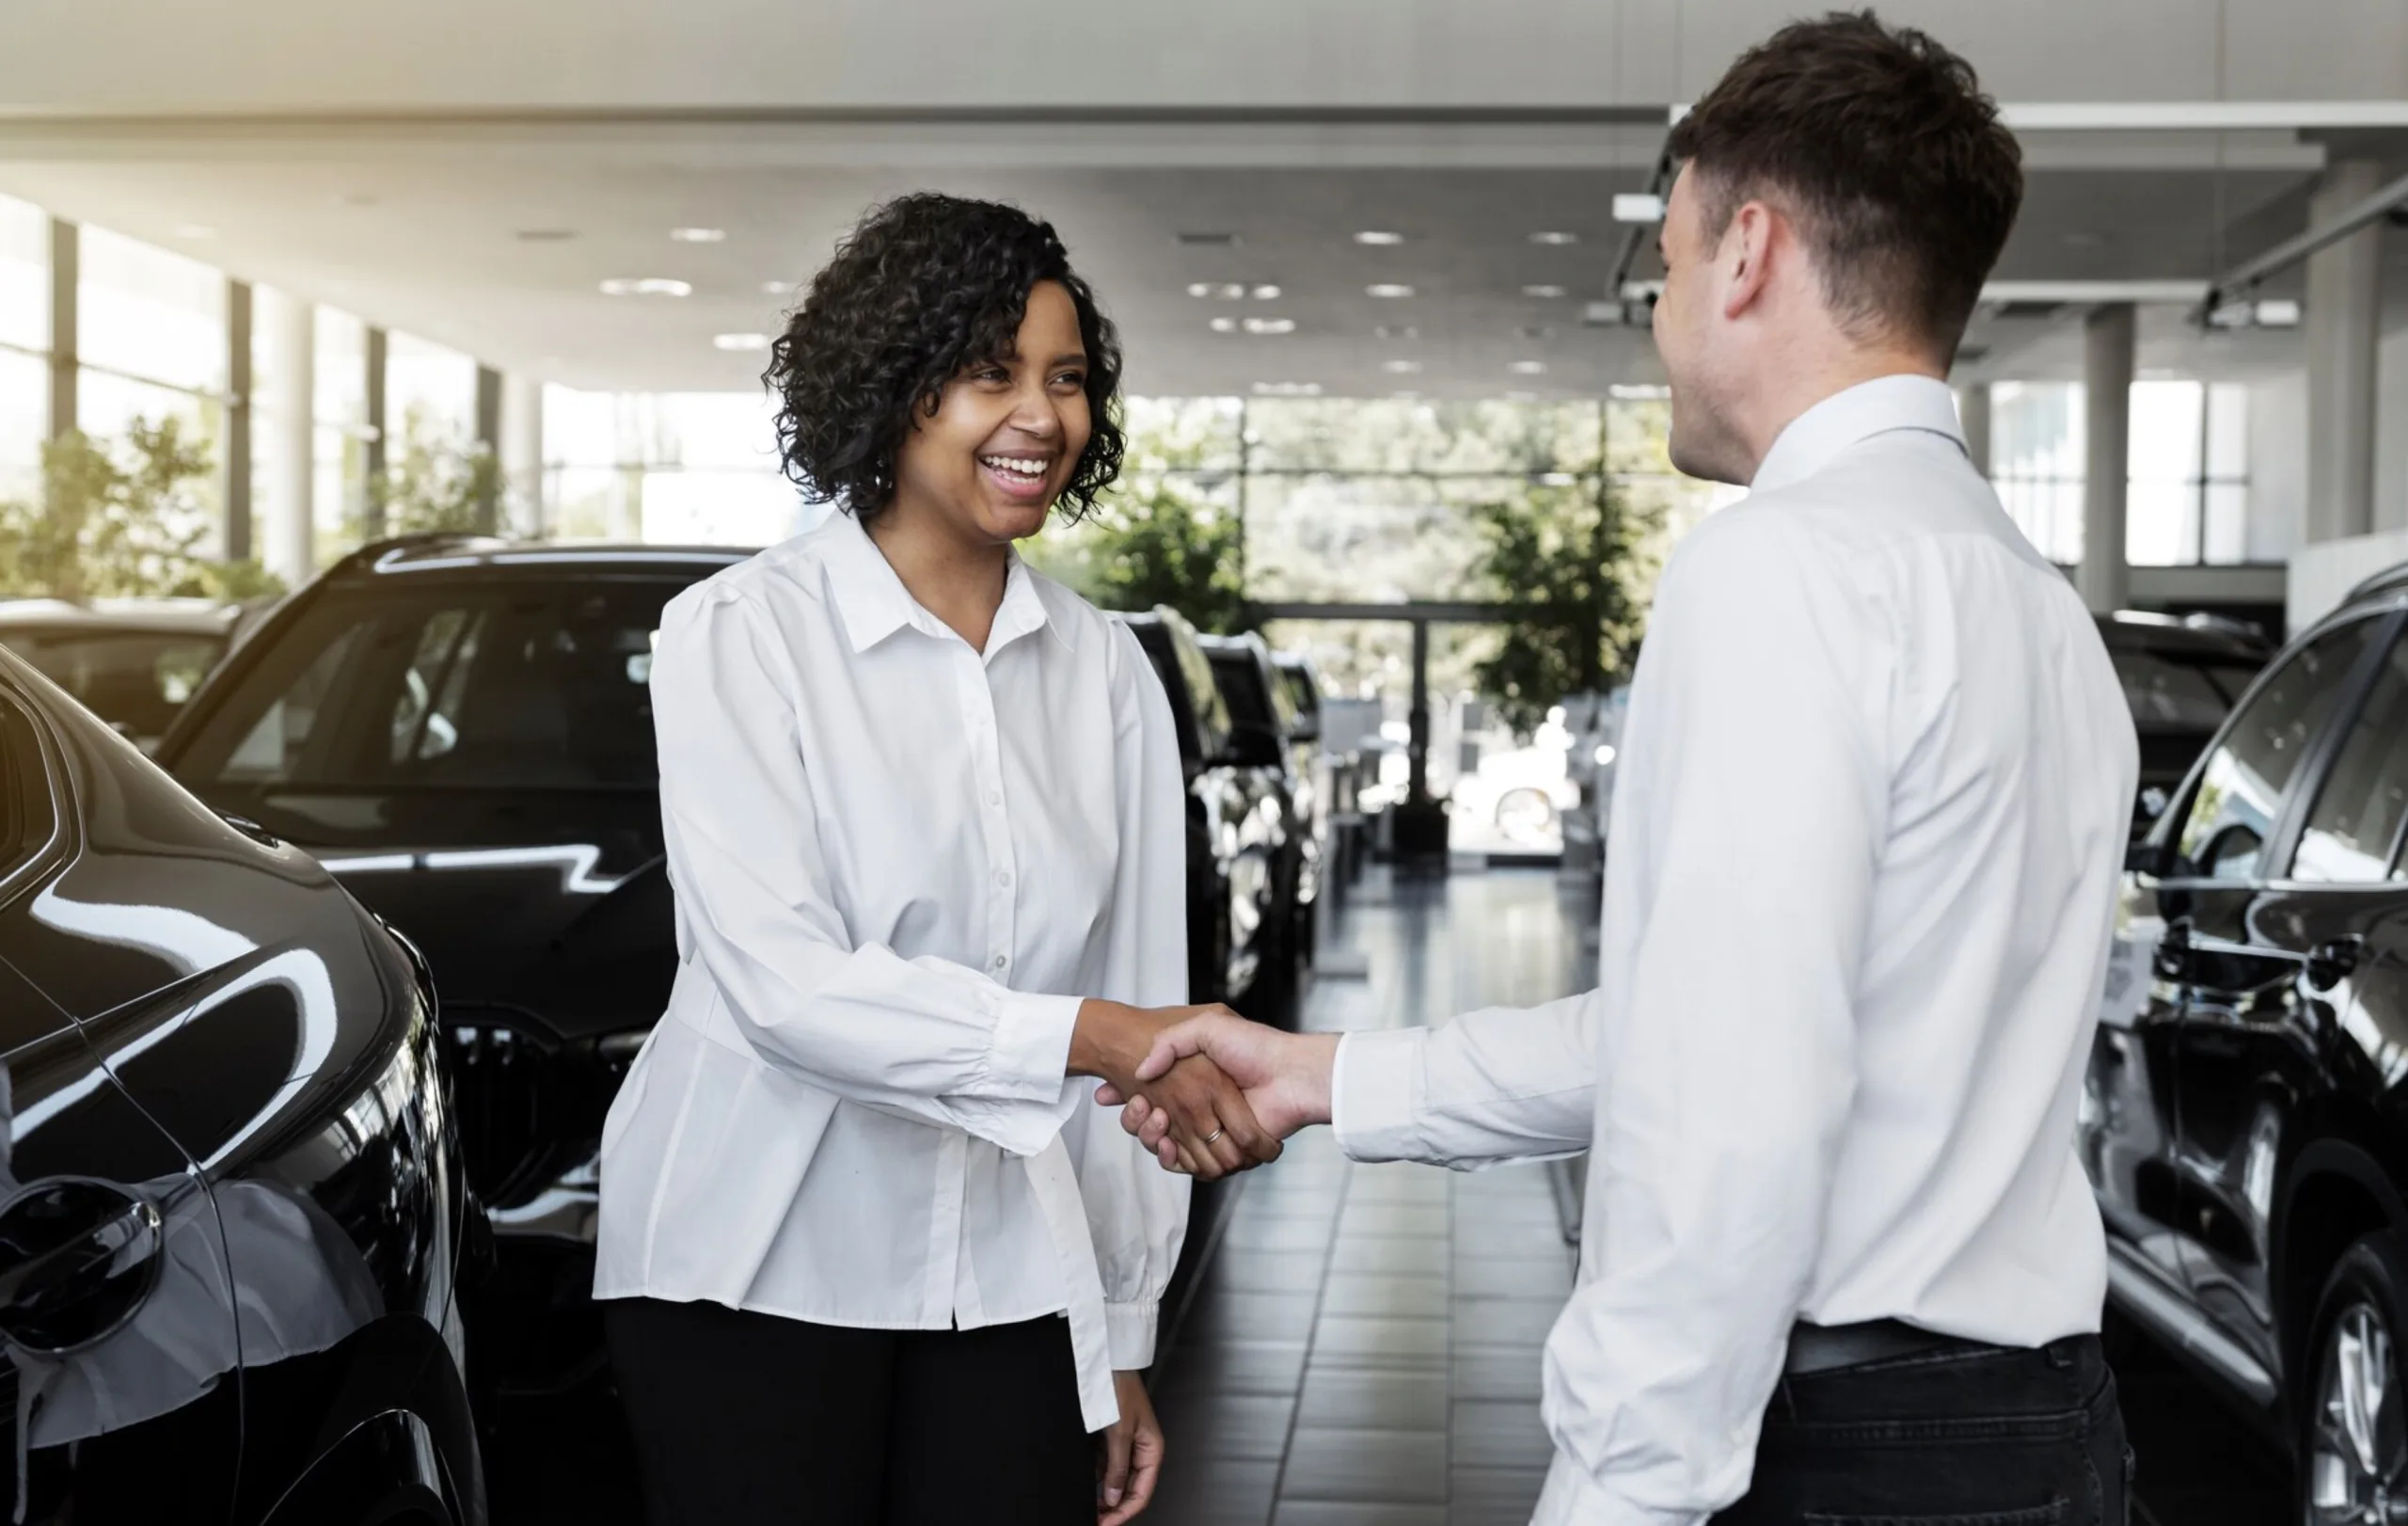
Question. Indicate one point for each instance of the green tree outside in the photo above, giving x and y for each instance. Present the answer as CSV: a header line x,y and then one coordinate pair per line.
x,y
121,519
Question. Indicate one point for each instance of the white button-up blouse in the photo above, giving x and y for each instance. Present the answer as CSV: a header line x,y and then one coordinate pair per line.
x,y
899,866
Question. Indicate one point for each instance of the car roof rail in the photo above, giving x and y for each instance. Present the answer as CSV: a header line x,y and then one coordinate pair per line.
x,y
2388,579
368,554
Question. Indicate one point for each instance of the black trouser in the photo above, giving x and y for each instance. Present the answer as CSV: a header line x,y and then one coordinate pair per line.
x,y
1972,1434
746,1419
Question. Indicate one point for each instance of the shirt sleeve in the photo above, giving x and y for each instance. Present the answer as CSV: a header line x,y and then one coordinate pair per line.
x,y
925,1037
1136,1211
1507,1084
1727,1082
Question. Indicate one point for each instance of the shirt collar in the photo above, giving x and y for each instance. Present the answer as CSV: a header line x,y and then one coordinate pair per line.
x,y
874,604
1815,438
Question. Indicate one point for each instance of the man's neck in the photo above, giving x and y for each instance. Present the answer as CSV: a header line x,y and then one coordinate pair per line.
x,y
1797,383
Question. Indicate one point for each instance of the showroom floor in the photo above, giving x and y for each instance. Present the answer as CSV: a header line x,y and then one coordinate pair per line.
x,y
1361,1347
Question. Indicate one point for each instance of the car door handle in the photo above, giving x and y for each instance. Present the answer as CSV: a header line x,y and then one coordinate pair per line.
x,y
2332,961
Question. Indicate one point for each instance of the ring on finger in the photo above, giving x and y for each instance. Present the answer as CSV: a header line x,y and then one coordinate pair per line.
x,y
1214,1134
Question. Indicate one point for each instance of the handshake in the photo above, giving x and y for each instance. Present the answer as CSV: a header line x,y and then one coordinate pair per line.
x,y
1209,1092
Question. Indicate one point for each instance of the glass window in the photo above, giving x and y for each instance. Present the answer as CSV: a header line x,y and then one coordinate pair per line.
x,y
532,686
2166,695
25,275
338,494
2241,791
2037,440
107,405
26,817
2350,832
429,390
24,421
135,680
147,312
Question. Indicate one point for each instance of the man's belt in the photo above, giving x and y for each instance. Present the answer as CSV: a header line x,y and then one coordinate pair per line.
x,y
1822,1348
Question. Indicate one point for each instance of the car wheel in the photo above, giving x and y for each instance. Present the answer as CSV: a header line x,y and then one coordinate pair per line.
x,y
2352,1410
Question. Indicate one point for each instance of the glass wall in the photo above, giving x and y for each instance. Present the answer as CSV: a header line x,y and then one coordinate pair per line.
x,y
151,340
2187,500
25,344
339,497
679,468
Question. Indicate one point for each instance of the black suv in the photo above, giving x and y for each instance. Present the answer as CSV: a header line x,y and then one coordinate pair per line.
x,y
2181,677
1235,828
230,1204
461,731
1263,714
2245,1120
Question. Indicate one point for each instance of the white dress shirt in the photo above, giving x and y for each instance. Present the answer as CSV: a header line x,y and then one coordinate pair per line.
x,y
899,866
1874,790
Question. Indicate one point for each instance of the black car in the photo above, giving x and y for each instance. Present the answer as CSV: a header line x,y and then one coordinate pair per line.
x,y
1263,718
232,1210
2244,1121
461,731
1235,825
2181,677
132,661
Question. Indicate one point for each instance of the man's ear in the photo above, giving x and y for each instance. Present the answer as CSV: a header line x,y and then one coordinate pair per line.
x,y
1746,256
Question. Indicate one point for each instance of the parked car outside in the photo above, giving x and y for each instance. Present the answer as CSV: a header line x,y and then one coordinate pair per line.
x,y
2245,1122
231,1208
1233,824
132,661
1265,719
461,729
1310,763
2181,679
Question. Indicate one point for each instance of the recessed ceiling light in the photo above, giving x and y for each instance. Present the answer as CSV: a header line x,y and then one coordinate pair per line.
x,y
1265,293
1544,293
1402,368
1387,288
1555,238
1224,325
777,287
1527,368
1217,291
1638,207
1271,326
1397,331
699,235
543,235
646,286
1287,389
195,231
1378,238
740,342
1207,241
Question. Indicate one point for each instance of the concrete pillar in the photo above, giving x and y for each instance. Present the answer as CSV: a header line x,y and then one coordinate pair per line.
x,y
234,540
65,266
489,442
1973,415
2109,345
522,455
291,457
2344,290
373,516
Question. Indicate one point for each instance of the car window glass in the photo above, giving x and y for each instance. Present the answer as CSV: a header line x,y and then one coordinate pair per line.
x,y
27,818
492,685
135,680
2360,805
2168,696
2240,791
1241,686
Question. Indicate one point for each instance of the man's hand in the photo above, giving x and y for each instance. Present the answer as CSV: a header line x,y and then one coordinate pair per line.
x,y
1203,1125
1286,1076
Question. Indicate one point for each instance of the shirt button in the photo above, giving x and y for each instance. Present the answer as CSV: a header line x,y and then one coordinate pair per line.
x,y
1002,959
1002,877
994,797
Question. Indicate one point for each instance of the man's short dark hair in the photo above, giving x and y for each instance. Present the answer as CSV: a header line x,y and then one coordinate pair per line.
x,y
1881,145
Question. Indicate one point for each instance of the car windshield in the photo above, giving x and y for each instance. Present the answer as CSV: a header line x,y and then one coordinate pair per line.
x,y
2178,692
494,685
1242,687
135,680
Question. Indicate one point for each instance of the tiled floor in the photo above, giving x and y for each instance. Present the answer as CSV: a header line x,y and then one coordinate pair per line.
x,y
1362,1348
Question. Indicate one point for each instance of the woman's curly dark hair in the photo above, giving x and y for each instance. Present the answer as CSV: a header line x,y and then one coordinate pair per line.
x,y
926,286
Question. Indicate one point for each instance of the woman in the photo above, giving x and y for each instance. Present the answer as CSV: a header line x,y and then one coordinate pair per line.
x,y
872,1254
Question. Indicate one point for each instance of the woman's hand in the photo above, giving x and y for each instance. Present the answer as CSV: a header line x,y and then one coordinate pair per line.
x,y
1129,1462
1212,1130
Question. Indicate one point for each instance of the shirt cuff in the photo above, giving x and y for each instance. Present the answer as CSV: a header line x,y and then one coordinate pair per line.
x,y
1572,1498
1031,1055
1129,1334
1373,1106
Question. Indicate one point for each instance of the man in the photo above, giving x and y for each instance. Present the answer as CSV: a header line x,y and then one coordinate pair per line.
x,y
1840,1263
